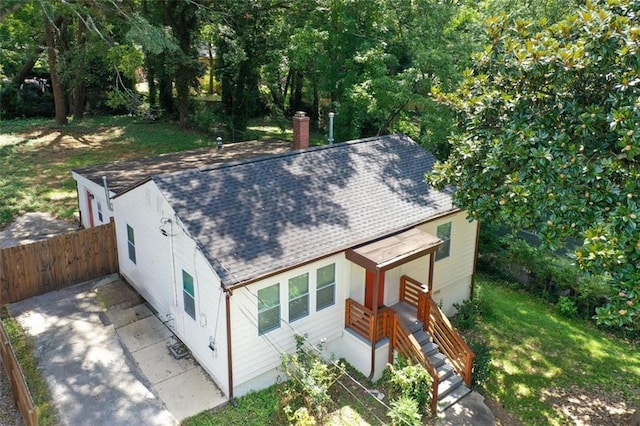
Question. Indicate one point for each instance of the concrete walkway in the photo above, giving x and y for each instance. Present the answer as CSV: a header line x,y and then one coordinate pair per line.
x,y
469,411
96,380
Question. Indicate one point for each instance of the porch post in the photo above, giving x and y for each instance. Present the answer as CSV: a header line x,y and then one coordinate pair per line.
x,y
431,265
374,311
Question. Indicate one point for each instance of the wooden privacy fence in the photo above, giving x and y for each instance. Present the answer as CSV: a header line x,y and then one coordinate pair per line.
x,y
21,395
32,269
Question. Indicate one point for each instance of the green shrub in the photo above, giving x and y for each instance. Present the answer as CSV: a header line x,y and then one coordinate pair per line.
x,y
405,411
481,363
567,307
411,381
469,311
310,377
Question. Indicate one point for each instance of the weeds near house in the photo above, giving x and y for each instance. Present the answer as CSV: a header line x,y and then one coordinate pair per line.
x,y
310,378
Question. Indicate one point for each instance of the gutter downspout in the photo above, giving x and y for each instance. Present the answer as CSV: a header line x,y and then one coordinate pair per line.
x,y
106,193
374,309
228,294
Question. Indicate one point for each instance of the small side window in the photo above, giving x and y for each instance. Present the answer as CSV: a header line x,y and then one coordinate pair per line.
x,y
188,295
131,243
100,212
444,233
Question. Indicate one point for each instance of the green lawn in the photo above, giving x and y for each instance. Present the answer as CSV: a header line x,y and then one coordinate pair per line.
x,y
547,369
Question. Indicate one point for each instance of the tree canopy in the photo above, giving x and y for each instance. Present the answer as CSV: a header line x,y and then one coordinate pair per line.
x,y
550,139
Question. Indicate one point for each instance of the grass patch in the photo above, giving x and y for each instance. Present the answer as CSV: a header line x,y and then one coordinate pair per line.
x,y
255,408
36,155
548,369
23,347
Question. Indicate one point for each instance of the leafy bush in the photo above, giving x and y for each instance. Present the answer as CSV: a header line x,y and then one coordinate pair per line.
x,y
411,381
310,377
404,411
469,311
540,271
567,307
481,363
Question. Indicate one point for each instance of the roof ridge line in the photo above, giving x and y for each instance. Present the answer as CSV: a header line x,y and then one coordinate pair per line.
x,y
292,153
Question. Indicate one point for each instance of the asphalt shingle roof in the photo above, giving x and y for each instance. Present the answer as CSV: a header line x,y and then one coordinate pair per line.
x,y
262,216
123,174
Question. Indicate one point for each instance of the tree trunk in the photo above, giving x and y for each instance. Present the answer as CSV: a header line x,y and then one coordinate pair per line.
x,y
210,68
19,78
79,91
58,93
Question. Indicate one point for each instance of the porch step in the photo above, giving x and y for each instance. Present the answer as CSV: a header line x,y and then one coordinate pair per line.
x,y
422,337
453,396
437,359
445,370
429,348
447,385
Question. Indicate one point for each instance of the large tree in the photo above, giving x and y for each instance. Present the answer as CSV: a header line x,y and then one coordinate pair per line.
x,y
550,140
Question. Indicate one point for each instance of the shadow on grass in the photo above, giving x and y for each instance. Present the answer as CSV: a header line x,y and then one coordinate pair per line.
x,y
540,359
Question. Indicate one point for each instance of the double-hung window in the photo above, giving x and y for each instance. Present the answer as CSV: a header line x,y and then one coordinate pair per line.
x,y
188,295
326,286
268,308
298,297
444,233
131,243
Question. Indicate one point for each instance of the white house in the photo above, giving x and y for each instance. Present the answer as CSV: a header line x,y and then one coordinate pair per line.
x,y
237,258
97,185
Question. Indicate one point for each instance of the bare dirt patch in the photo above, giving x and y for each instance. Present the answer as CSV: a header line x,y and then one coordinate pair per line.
x,y
590,407
32,227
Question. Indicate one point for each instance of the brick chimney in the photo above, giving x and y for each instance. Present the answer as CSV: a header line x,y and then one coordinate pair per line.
x,y
300,130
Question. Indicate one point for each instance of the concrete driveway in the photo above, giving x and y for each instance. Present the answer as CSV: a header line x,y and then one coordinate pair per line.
x,y
105,358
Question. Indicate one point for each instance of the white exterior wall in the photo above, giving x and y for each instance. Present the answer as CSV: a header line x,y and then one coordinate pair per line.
x,y
99,196
256,358
157,275
452,275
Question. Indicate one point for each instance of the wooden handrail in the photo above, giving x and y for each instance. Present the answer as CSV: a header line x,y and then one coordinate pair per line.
x,y
360,318
407,345
410,290
448,339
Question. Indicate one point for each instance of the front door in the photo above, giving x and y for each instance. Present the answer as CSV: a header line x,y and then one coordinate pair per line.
x,y
368,289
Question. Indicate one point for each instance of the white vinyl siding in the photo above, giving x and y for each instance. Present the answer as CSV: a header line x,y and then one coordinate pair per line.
x,y
162,258
268,309
257,356
298,297
326,286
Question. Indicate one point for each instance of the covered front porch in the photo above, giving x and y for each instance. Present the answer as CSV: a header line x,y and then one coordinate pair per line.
x,y
398,313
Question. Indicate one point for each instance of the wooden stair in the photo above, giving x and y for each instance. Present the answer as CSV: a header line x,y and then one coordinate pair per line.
x,y
451,388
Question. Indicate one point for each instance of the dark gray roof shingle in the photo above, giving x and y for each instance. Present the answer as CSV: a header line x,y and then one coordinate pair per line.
x,y
259,217
124,174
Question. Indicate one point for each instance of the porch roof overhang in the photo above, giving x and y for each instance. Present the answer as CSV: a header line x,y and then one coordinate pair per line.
x,y
392,251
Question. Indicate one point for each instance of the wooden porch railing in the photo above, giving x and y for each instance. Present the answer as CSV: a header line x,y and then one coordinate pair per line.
x,y
449,340
360,318
407,345
410,290
438,326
